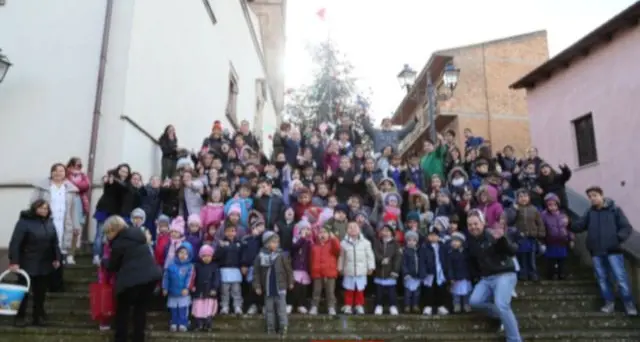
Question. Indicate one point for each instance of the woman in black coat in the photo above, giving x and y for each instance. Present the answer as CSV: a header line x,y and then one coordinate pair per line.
x,y
34,248
169,146
136,277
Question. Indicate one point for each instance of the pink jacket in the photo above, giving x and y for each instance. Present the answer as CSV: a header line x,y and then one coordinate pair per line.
x,y
492,210
81,181
212,213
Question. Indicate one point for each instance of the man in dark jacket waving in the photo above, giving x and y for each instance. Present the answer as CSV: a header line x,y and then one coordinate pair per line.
x,y
607,228
492,255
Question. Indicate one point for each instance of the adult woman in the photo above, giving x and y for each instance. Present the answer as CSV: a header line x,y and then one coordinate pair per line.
x,y
136,276
65,206
493,255
169,145
116,181
34,248
78,178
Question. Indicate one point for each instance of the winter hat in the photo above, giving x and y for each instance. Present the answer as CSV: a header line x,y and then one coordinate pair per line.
x,y
267,236
139,213
458,236
411,235
194,218
392,196
235,209
389,217
184,163
522,191
389,226
341,207
444,222
163,219
257,223
363,214
413,216
301,225
325,215
177,225
386,179
551,197
206,250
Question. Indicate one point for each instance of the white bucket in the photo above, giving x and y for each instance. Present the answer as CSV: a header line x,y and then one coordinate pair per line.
x,y
12,295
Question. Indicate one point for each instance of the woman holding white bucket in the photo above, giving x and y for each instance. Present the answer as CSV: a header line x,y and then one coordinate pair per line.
x,y
34,248
136,277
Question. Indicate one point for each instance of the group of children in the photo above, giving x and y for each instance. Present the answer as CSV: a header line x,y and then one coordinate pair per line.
x,y
237,233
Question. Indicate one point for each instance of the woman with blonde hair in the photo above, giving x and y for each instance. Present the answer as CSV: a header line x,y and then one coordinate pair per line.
x,y
136,276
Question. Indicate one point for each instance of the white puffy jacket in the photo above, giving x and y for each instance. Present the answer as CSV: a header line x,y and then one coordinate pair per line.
x,y
356,257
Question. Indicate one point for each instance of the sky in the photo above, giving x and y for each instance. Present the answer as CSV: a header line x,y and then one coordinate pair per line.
x,y
379,37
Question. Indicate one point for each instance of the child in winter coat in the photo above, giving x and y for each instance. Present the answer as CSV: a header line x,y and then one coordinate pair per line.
x,y
177,237
228,256
411,271
356,262
204,293
300,254
434,256
284,229
558,238
194,234
138,217
458,273
324,270
388,265
251,245
178,278
163,239
489,204
273,277
531,228
338,223
213,211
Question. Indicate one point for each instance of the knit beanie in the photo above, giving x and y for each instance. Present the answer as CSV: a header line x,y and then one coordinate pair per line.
x,y
177,225
235,209
256,223
206,250
413,216
139,213
184,163
267,236
458,236
194,218
411,235
163,219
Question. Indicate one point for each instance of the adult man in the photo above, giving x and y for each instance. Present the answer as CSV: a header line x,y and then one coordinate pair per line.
x,y
347,126
607,228
386,136
492,255
249,139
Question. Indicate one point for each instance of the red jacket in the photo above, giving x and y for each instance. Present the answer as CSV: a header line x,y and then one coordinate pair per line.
x,y
324,259
162,241
299,209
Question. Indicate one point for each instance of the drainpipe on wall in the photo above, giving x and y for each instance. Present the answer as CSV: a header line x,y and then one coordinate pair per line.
x,y
97,106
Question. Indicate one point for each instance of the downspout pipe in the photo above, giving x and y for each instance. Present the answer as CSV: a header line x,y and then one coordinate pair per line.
x,y
97,105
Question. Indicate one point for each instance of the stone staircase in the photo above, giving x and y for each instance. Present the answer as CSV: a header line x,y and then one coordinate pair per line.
x,y
547,311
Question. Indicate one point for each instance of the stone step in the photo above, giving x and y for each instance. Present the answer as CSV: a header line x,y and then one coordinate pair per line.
x,y
530,321
81,285
554,303
54,334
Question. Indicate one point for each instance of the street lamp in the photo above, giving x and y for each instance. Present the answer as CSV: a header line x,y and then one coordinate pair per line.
x,y
4,66
450,81
407,77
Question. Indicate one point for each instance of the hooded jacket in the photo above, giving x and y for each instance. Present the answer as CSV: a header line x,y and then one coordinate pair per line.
x,y
492,210
356,257
181,274
34,244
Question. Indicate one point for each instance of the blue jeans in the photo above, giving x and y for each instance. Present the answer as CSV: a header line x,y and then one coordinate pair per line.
x,y
99,239
460,300
500,287
179,316
612,264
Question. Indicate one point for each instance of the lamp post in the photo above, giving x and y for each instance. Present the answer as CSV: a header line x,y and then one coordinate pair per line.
x,y
4,66
450,81
407,77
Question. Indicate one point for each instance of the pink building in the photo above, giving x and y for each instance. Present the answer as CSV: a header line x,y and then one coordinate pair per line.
x,y
584,110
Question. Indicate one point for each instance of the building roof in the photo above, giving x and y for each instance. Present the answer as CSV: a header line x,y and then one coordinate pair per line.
x,y
605,33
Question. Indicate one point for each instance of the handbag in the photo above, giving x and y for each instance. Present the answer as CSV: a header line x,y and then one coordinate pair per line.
x,y
101,301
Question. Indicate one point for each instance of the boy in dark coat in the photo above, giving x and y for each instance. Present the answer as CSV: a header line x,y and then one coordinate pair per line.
x,y
411,270
388,265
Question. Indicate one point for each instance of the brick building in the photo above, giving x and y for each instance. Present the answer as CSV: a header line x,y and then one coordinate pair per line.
x,y
482,101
